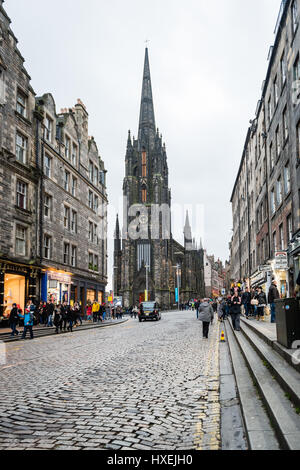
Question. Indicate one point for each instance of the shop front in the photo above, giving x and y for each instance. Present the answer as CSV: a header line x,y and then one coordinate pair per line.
x,y
56,287
86,291
294,260
18,285
280,273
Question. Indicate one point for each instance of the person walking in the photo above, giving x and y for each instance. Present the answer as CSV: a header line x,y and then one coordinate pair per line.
x,y
77,315
272,296
49,311
197,305
89,311
206,315
57,318
262,303
246,301
70,316
14,320
64,314
235,310
103,312
95,310
28,321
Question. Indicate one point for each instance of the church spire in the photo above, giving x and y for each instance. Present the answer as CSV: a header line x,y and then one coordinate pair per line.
x,y
147,128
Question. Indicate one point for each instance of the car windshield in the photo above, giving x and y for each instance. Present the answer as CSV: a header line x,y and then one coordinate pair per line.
x,y
148,305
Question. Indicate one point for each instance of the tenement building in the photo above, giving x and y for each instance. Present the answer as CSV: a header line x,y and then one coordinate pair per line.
x,y
19,176
53,197
265,199
72,242
148,262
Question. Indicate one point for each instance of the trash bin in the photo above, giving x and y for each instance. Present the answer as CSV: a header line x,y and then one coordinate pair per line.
x,y
287,321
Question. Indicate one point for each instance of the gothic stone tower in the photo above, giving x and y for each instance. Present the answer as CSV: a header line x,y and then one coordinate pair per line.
x,y
146,239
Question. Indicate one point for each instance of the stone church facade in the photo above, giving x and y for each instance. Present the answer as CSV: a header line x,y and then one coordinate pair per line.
x,y
146,257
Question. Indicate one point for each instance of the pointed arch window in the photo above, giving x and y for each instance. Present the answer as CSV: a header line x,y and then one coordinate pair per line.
x,y
144,164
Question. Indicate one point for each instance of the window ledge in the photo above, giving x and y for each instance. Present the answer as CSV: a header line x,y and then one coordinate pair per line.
x,y
23,211
23,118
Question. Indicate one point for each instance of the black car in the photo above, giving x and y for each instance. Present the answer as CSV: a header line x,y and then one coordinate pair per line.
x,y
149,311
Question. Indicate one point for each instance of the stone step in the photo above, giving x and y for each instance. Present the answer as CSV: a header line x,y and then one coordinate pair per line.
x,y
259,431
282,414
286,376
271,340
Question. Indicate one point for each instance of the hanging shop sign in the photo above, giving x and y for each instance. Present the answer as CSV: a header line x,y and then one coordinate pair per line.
x,y
281,260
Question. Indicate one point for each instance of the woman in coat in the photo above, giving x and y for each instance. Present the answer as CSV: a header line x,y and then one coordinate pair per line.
x,y
235,310
262,303
206,315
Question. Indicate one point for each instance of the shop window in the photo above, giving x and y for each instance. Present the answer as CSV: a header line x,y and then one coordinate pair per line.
x,y
14,292
91,295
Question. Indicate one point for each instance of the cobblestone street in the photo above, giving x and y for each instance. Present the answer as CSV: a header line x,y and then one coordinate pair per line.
x,y
132,387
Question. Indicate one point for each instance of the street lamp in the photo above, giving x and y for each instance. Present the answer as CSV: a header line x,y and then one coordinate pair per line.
x,y
177,267
147,286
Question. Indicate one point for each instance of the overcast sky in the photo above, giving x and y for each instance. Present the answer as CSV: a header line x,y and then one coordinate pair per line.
x,y
207,59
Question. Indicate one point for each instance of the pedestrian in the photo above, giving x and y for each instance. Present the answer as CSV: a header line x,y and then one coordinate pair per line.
x,y
206,315
103,312
28,321
235,310
57,318
272,296
95,310
197,305
297,287
89,309
246,301
70,317
14,320
64,314
262,303
49,311
77,314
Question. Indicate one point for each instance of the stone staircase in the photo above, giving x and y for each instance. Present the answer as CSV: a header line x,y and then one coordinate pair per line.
x,y
268,384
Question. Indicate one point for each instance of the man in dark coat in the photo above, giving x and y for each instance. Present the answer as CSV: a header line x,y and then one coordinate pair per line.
x,y
13,320
246,301
272,296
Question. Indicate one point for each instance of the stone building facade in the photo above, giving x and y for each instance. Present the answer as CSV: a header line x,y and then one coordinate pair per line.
x,y
270,164
19,264
46,247
146,255
73,222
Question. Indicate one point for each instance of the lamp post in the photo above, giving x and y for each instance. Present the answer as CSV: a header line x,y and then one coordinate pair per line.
x,y
147,282
177,267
